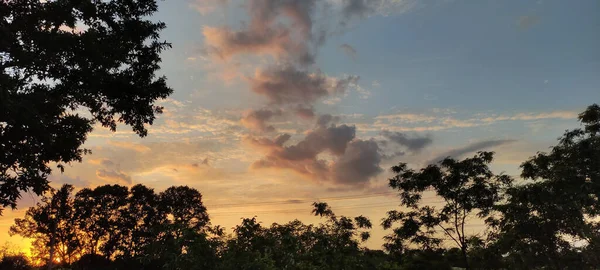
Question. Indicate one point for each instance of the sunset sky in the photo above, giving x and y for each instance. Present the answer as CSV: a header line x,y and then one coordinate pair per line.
x,y
280,103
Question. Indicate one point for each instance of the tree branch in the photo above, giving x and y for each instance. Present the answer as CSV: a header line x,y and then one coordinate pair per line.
x,y
448,233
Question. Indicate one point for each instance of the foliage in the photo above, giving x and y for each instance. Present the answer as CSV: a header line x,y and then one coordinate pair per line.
x,y
64,67
49,223
544,219
467,188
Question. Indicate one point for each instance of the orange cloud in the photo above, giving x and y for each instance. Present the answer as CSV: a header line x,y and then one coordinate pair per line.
x,y
129,145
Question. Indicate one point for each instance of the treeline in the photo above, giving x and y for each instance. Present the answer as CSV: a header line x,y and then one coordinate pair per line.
x,y
547,220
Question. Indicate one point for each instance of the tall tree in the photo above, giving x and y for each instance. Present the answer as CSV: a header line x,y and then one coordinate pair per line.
x,y
64,67
467,188
99,215
141,219
547,217
182,207
184,225
51,225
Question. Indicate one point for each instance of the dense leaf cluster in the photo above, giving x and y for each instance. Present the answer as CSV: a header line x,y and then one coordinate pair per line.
x,y
64,67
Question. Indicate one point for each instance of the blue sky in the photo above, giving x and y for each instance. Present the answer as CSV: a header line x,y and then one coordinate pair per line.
x,y
507,76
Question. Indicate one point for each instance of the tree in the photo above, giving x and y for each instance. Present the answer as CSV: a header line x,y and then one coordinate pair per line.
x,y
337,241
559,205
182,207
50,225
466,188
66,66
184,226
296,245
99,216
140,221
15,262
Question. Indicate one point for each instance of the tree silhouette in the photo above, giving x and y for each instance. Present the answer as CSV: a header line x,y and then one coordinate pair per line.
x,y
467,188
98,214
50,224
64,67
141,219
542,220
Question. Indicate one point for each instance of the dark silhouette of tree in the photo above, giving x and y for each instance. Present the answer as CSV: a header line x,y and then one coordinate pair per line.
x,y
50,225
543,219
64,67
98,214
15,262
467,188
183,229
141,220
295,245
182,207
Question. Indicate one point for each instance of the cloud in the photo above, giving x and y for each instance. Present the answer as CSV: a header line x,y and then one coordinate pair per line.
x,y
305,113
333,139
459,152
326,119
104,162
407,117
413,144
265,34
114,176
205,162
349,50
424,122
354,161
289,85
77,181
207,6
360,9
359,163
525,22
533,116
363,93
131,146
257,119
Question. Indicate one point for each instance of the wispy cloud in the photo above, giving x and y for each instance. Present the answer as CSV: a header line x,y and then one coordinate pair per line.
x,y
412,143
129,145
349,51
114,176
470,148
207,6
434,122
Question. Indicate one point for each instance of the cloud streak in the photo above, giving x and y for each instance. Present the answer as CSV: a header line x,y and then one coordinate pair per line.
x,y
413,144
349,51
114,176
424,122
470,148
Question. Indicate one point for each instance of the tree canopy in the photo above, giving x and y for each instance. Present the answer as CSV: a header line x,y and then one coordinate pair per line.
x,y
66,66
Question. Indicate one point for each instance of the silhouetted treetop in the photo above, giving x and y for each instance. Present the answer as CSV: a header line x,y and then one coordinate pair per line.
x,y
65,66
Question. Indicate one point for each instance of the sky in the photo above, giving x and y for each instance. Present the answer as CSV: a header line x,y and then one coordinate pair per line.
x,y
279,103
